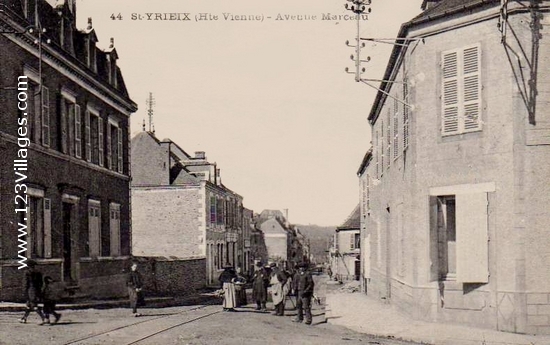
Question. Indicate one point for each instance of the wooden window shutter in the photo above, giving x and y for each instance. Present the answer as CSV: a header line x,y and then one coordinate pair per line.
x,y
352,241
47,228
388,138
450,93
472,238
109,147
405,115
434,239
88,134
395,128
45,93
119,151
101,142
63,126
472,89
71,129
77,132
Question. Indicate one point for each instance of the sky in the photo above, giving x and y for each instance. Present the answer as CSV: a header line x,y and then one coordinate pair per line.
x,y
268,100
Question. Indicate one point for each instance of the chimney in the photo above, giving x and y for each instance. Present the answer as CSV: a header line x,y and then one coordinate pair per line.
x,y
218,177
200,155
427,4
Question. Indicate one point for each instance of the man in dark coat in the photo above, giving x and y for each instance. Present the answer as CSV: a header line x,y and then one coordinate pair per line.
x,y
134,284
303,286
33,291
260,282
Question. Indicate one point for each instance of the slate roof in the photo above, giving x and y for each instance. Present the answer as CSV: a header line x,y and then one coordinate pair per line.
x,y
446,7
353,222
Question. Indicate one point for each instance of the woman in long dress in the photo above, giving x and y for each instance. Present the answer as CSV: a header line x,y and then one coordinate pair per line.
x,y
227,279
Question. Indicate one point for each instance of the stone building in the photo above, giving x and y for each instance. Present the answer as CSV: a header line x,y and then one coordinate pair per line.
x,y
345,255
64,127
180,208
458,180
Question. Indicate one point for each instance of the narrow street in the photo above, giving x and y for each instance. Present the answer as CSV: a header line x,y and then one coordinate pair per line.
x,y
200,324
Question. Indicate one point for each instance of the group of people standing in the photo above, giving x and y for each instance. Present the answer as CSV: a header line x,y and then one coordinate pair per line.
x,y
283,284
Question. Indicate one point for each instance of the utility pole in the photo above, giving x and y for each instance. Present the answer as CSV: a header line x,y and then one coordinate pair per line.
x,y
150,103
359,7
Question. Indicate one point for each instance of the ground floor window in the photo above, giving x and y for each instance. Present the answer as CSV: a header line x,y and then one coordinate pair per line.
x,y
459,227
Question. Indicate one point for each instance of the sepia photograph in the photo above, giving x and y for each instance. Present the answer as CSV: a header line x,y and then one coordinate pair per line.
x,y
275,172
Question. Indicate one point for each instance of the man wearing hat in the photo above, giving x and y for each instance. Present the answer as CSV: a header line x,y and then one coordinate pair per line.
x,y
303,286
260,282
33,291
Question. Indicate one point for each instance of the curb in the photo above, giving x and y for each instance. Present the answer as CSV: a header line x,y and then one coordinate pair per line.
x,y
150,302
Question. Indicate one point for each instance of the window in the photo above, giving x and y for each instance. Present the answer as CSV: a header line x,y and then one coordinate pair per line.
x,y
219,211
94,228
355,241
94,137
213,210
45,96
100,141
77,132
460,226
67,125
39,225
119,165
461,94
114,210
405,115
114,146
446,236
88,135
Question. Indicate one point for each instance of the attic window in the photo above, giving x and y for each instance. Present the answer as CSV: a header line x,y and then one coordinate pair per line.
x,y
90,48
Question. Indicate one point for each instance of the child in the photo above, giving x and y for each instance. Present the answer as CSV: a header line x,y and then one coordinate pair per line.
x,y
49,301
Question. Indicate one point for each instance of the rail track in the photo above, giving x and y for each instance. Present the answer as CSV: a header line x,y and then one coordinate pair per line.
x,y
167,322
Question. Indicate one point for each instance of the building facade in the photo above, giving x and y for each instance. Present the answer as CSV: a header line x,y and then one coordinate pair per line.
x,y
64,152
345,255
457,183
181,209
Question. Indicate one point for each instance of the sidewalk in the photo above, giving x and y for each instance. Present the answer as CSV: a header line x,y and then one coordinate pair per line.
x,y
365,314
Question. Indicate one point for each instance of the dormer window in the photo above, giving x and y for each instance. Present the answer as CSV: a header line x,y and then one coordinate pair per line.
x,y
90,47
111,63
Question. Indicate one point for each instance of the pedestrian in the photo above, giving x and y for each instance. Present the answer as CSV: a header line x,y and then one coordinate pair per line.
x,y
260,282
240,288
33,291
227,279
303,286
278,281
134,283
329,272
50,300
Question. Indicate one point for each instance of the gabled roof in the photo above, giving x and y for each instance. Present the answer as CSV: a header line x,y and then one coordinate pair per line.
x,y
353,222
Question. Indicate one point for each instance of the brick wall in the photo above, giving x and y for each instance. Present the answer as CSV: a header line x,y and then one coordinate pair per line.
x,y
163,276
